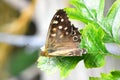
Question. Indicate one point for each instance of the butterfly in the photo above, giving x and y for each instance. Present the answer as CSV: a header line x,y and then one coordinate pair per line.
x,y
63,38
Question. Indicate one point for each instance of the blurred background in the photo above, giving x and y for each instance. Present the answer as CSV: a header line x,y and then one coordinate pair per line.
x,y
23,29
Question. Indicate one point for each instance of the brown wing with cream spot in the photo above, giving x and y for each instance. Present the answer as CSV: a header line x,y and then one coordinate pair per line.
x,y
62,35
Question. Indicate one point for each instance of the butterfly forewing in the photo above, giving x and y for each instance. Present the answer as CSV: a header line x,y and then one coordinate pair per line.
x,y
63,38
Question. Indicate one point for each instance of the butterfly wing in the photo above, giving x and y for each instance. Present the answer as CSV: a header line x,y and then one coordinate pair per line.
x,y
63,38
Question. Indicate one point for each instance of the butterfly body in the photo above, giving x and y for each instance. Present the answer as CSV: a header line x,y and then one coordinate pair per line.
x,y
63,38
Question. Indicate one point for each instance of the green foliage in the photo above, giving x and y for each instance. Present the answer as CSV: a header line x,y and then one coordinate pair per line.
x,y
98,30
113,75
113,19
86,12
92,41
22,60
64,64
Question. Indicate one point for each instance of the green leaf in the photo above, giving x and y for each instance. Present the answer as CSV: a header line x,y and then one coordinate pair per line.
x,y
113,75
64,64
113,17
47,64
100,10
67,64
86,12
92,41
96,9
76,14
108,39
21,60
95,78
80,12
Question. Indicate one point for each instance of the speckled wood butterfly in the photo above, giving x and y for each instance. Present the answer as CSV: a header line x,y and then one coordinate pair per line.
x,y
63,38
